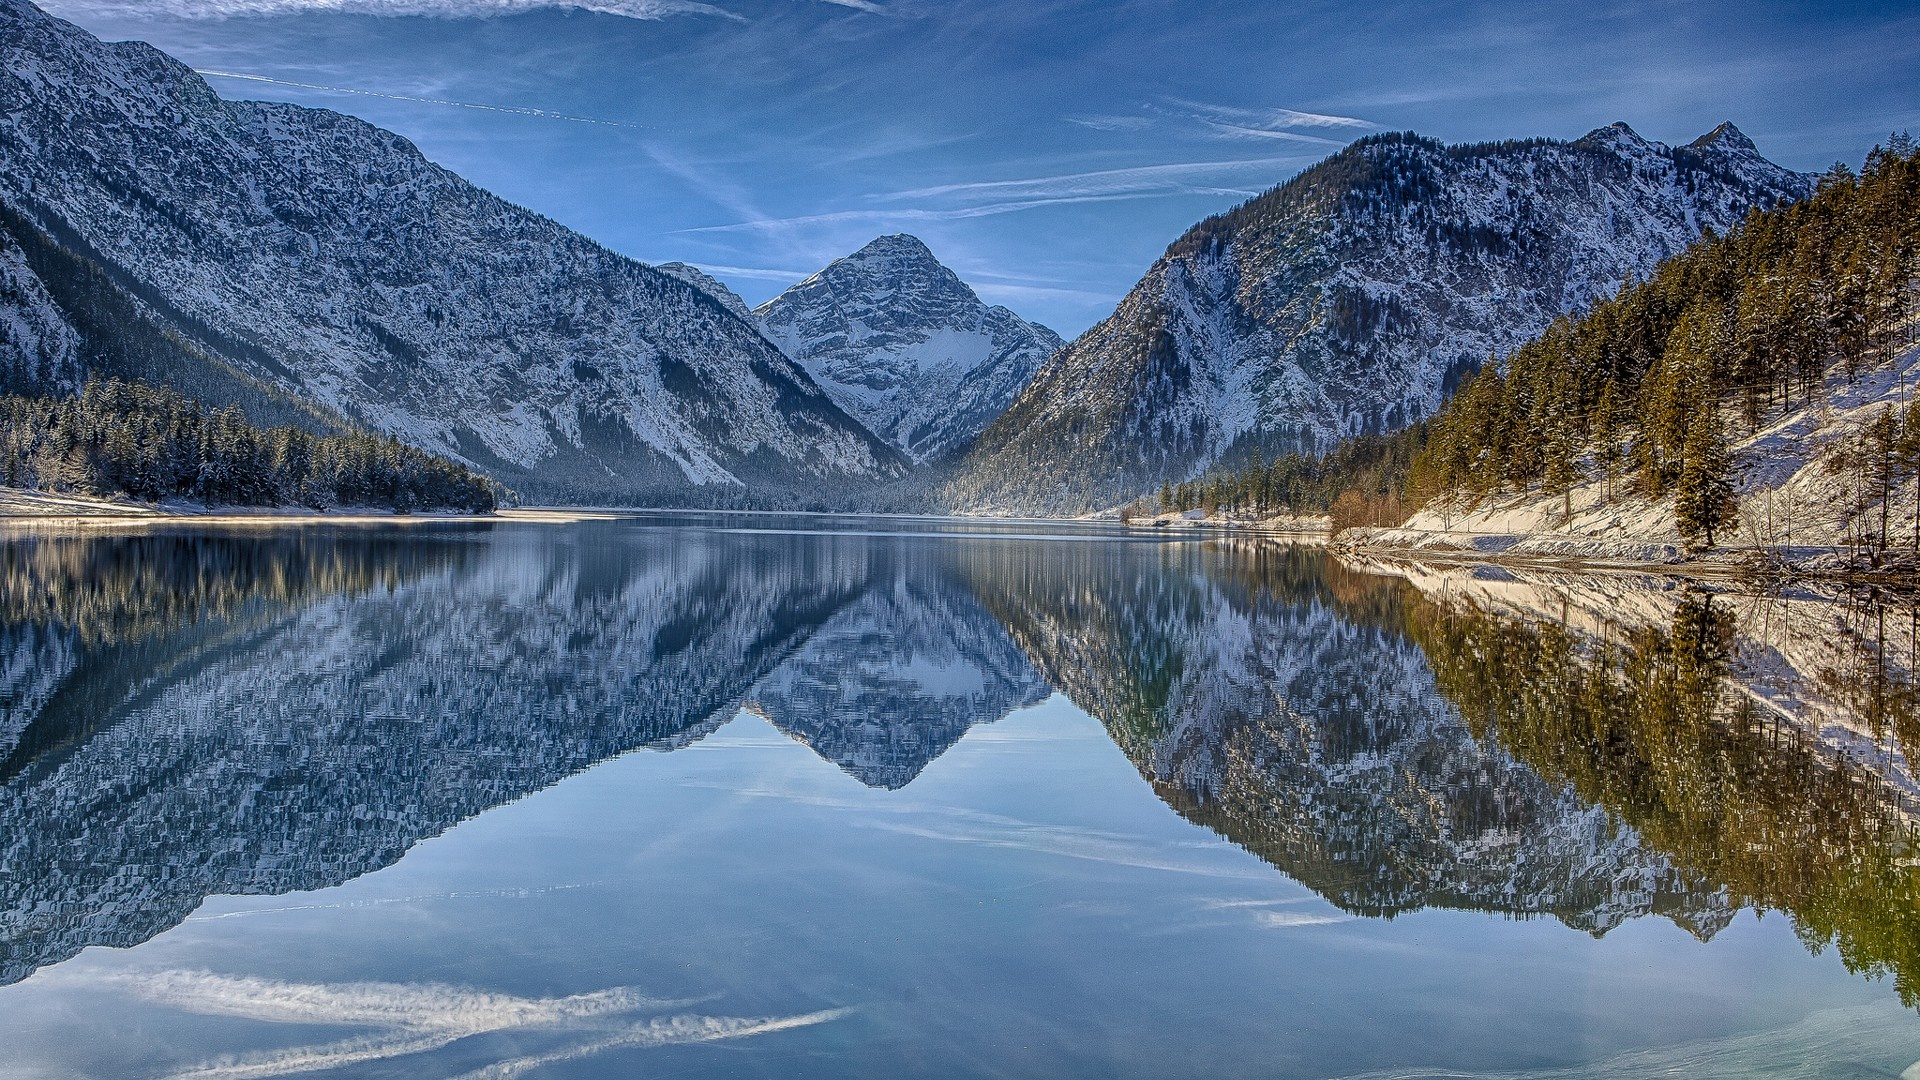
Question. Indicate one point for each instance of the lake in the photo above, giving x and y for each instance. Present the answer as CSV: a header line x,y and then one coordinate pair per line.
x,y
756,796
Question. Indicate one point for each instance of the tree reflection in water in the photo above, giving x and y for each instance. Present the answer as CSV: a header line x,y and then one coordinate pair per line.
x,y
183,715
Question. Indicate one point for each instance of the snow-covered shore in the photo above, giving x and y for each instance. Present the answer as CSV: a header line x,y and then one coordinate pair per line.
x,y
1801,507
40,508
1306,525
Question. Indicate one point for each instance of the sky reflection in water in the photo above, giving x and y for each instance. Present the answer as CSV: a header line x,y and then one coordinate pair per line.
x,y
364,802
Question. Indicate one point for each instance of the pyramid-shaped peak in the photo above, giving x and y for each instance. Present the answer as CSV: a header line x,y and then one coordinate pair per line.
x,y
1726,137
901,259
895,245
1616,132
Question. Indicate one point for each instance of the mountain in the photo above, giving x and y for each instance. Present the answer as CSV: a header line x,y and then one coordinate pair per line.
x,y
710,285
184,714
319,270
1754,395
902,344
1351,299
440,674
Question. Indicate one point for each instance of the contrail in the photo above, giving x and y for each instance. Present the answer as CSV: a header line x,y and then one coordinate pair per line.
x,y
542,113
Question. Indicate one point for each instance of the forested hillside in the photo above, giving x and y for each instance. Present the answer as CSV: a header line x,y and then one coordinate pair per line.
x,y
1350,301
1647,389
1362,480
1729,370
148,442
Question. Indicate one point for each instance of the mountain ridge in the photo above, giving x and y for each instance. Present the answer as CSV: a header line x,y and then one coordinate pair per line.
x,y
1349,300
328,261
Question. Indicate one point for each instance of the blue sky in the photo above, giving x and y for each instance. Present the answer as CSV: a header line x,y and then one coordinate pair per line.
x,y
1048,150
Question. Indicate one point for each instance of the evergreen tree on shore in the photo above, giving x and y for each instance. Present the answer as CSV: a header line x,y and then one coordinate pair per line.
x,y
151,443
1730,332
1653,383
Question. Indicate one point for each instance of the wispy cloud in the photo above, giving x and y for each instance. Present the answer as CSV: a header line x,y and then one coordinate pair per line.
x,y
450,9
679,1029
755,273
511,109
901,216
1226,121
1179,178
446,9
1070,842
1111,123
1269,119
1276,920
962,825
705,181
415,1018
1236,131
1014,294
989,198
412,898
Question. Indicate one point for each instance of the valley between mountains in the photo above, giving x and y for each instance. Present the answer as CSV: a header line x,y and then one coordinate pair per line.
x,y
227,303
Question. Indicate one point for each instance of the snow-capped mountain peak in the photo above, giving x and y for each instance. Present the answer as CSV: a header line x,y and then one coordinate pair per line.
x,y
1727,137
1351,299
1617,134
904,345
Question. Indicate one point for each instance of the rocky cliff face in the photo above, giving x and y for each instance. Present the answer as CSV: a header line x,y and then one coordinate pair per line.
x,y
1350,299
319,268
38,346
901,343
710,285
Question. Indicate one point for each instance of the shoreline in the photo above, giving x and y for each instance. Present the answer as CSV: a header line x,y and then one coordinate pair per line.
x,y
1745,564
22,510
35,510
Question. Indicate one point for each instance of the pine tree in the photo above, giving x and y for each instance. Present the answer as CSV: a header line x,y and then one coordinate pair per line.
x,y
1702,493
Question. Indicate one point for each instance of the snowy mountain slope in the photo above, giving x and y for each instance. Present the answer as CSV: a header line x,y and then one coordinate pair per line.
x,y
1797,498
327,259
902,344
1350,299
38,346
710,285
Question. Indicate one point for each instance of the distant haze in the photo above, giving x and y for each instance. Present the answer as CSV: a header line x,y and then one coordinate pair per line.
x,y
1047,152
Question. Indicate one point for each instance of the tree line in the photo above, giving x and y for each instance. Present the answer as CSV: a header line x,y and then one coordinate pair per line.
x,y
1361,481
1646,390
1648,387
150,442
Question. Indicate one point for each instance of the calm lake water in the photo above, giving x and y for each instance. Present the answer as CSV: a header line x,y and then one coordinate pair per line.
x,y
730,796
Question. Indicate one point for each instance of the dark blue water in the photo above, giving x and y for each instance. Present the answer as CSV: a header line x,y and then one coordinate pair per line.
x,y
783,797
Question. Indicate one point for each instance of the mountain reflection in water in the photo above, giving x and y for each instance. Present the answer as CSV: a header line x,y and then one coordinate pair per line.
x,y
183,715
